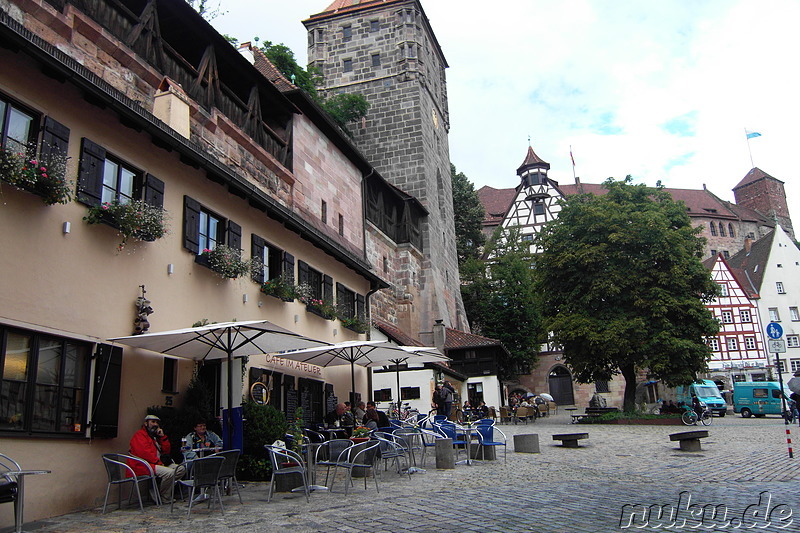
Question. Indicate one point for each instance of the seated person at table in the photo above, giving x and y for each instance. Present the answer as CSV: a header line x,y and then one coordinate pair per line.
x,y
374,415
200,438
341,415
483,409
360,410
151,444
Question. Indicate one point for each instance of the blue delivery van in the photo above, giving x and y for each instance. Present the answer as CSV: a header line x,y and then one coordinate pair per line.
x,y
707,392
757,398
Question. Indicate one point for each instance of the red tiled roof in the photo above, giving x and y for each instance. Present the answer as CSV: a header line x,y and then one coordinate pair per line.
x,y
531,159
754,175
495,201
270,71
752,264
349,6
396,334
459,339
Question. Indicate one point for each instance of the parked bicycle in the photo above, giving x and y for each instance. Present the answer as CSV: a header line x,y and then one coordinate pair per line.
x,y
690,418
404,413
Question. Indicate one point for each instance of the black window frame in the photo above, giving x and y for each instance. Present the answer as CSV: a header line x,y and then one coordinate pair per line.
x,y
347,32
349,303
374,25
601,386
279,262
382,395
229,232
118,195
321,284
347,65
376,60
146,187
31,384
713,227
33,133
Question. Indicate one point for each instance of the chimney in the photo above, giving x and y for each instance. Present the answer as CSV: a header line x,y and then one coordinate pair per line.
x,y
577,180
748,243
247,52
171,106
439,335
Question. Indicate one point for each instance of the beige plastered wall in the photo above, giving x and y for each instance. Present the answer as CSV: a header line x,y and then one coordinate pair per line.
x,y
78,284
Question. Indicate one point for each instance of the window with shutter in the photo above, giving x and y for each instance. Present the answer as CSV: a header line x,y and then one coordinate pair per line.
x,y
17,126
43,383
105,404
106,178
55,139
270,256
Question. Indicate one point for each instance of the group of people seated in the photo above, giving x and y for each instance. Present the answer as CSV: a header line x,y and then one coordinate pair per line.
x,y
347,417
152,444
477,412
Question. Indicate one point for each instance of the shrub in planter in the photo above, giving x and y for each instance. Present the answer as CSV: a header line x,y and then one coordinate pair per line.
x,y
263,425
45,176
134,220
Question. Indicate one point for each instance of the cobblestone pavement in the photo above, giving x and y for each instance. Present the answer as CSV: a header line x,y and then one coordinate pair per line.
x,y
743,464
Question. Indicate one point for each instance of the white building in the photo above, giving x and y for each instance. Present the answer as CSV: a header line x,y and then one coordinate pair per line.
x,y
771,265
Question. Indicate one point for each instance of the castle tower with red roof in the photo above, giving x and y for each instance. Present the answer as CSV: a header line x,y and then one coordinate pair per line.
x,y
763,193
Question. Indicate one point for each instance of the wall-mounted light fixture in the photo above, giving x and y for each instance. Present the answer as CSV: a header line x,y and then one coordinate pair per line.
x,y
296,319
170,269
244,298
260,304
67,227
335,332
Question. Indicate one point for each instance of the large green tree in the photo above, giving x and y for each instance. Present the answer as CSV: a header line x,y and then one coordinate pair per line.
x,y
469,215
623,287
501,301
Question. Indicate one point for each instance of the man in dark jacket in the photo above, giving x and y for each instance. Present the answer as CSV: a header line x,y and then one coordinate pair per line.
x,y
151,444
446,394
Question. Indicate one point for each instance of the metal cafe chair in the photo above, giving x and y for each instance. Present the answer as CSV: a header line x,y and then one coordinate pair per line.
x,y
358,457
286,462
120,472
205,475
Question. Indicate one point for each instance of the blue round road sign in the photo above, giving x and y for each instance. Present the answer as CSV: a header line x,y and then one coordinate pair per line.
x,y
774,330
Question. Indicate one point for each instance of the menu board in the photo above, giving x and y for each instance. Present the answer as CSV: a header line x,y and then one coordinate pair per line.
x,y
291,404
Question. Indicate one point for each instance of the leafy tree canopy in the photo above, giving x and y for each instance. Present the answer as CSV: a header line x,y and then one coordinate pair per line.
x,y
623,287
469,215
343,108
501,301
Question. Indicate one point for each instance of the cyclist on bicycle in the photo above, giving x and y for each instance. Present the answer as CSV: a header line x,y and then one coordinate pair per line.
x,y
697,406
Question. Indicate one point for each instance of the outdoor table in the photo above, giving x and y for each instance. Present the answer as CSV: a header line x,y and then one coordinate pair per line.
x,y
311,467
467,429
333,433
19,476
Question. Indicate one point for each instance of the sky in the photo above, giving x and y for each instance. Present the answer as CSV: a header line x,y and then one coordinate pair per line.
x,y
661,90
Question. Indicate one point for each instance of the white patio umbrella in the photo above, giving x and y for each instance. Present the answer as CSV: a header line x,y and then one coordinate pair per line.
x,y
363,353
225,340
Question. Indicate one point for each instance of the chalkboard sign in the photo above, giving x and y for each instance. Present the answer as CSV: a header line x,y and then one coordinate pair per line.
x,y
333,400
291,404
308,411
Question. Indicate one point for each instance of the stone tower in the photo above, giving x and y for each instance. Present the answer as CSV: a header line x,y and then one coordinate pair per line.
x,y
765,194
387,51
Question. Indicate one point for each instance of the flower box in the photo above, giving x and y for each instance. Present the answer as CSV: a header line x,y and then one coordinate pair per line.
x,y
45,177
133,220
225,261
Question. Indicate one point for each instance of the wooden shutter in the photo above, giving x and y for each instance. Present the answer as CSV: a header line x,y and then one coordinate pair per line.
x,y
361,311
107,375
191,225
257,252
339,295
90,174
153,191
302,272
55,139
288,266
327,288
233,236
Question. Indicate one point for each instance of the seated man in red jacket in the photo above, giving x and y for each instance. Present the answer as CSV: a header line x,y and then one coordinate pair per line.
x,y
153,446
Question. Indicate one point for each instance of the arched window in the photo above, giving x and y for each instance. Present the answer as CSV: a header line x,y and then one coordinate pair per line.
x,y
721,230
730,231
713,229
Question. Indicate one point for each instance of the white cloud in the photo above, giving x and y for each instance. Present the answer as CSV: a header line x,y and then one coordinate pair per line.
x,y
605,77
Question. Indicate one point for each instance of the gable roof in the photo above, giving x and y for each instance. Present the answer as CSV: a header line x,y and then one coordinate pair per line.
x,y
495,203
752,263
456,339
739,275
396,334
755,174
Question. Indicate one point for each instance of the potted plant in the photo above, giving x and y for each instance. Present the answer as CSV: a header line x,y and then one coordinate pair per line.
x,y
226,261
354,323
360,434
279,287
134,220
318,306
45,176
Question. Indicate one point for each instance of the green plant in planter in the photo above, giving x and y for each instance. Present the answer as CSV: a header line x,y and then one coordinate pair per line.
x,y
355,323
279,287
295,429
134,220
228,262
45,176
263,425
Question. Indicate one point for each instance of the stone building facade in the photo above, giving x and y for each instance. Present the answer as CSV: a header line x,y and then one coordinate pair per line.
x,y
387,51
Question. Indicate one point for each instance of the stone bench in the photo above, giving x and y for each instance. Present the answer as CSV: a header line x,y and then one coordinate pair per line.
x,y
689,440
570,440
526,443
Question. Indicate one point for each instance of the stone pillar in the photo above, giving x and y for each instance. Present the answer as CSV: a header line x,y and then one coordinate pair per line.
x,y
527,443
444,454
